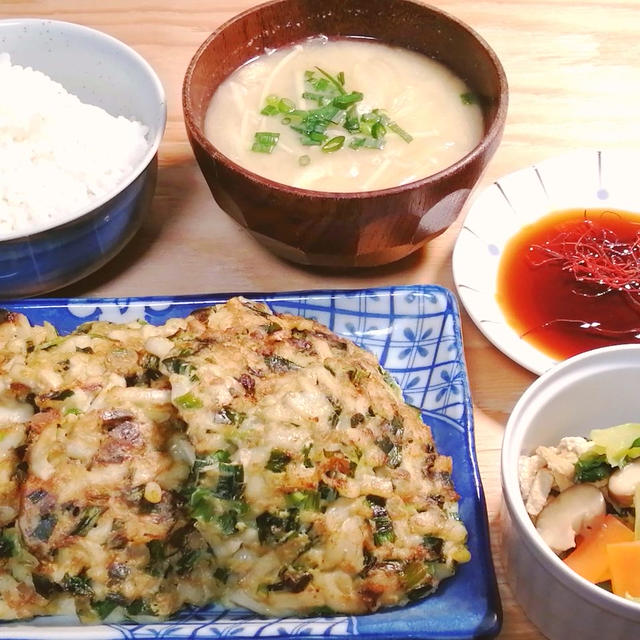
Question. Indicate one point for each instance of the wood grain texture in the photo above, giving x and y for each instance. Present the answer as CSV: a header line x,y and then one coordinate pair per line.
x,y
575,82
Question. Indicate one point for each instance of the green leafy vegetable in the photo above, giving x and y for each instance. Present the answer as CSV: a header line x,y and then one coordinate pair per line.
x,y
104,608
277,528
78,585
591,468
187,561
230,481
155,567
278,460
140,607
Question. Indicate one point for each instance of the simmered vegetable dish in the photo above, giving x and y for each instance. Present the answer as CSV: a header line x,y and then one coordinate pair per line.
x,y
583,496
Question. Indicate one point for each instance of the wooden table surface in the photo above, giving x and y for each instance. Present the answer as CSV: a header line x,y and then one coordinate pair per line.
x,y
574,76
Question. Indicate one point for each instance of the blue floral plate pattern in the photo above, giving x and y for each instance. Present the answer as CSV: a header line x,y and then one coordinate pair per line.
x,y
415,333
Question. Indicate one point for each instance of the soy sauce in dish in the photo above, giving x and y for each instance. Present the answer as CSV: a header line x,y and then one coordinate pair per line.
x,y
570,282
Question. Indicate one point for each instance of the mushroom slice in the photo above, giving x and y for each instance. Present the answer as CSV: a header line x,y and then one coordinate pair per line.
x,y
567,514
623,483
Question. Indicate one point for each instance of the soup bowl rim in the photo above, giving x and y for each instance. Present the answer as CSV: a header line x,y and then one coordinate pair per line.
x,y
489,136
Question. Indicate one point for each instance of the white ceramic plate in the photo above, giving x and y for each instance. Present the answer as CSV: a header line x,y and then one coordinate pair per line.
x,y
586,178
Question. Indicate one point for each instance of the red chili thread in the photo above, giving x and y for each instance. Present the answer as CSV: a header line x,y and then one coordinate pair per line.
x,y
600,263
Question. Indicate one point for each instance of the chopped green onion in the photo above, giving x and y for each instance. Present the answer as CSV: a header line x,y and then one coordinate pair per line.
x,y
77,585
336,108
105,607
88,519
276,529
278,460
270,110
382,525
378,130
313,140
400,131
334,81
230,481
187,561
265,141
278,364
469,98
286,106
352,121
366,143
228,522
178,365
7,546
221,574
345,101
140,607
335,144
392,450
308,463
415,574
189,401
304,499
315,97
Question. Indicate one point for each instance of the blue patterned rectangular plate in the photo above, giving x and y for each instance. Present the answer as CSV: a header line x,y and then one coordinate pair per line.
x,y
415,333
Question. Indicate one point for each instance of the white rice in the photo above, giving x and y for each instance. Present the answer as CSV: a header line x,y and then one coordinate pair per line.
x,y
57,154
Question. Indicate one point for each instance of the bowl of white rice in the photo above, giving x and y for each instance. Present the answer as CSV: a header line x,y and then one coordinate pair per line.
x,y
81,119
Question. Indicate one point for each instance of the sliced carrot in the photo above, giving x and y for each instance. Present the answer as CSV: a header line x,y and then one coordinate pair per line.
x,y
624,561
590,559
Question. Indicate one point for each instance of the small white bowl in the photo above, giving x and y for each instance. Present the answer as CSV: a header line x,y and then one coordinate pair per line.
x,y
596,389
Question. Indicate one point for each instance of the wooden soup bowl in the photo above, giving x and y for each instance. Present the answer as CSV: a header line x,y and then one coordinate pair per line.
x,y
344,229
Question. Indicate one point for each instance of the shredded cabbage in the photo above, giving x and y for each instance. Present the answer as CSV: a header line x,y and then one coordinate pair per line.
x,y
617,443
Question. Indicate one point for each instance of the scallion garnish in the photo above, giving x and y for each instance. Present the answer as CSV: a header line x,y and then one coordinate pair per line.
x,y
336,108
334,81
335,144
265,141
378,130
469,98
396,128
270,110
